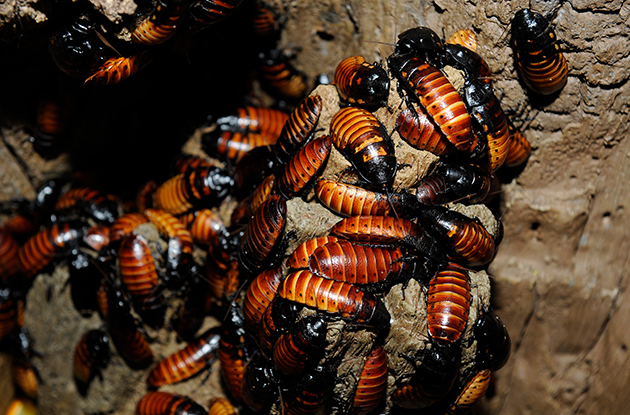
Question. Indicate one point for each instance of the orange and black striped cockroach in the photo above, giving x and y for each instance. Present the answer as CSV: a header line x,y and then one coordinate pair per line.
x,y
50,243
302,346
206,186
161,24
301,171
469,62
221,406
372,383
266,23
298,129
361,83
99,206
415,127
119,68
243,212
21,406
91,355
204,225
427,84
375,265
539,61
310,393
300,257
464,37
470,393
164,403
261,120
450,182
260,384
230,146
489,122
280,74
436,371
335,297
464,239
422,42
253,168
223,275
234,352
363,140
52,118
187,362
278,317
263,234
8,255
203,13
76,49
126,224
493,340
137,269
184,162
519,149
144,196
259,295
448,304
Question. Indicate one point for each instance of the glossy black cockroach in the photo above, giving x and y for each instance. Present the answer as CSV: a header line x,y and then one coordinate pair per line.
x,y
260,384
543,68
187,362
203,13
448,304
454,182
303,345
361,83
468,61
298,129
278,317
305,167
436,371
422,42
493,340
161,24
363,140
280,74
117,69
263,233
253,168
164,403
76,49
259,295
372,383
310,393
91,356
335,297
233,352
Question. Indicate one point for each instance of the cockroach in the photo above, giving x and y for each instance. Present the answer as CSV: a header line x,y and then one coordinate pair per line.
x,y
161,24
25,376
309,394
190,315
543,68
360,83
300,257
265,22
372,383
469,62
221,406
278,317
97,237
448,304
415,127
422,42
335,297
137,268
204,225
519,149
233,352
298,129
261,120
454,182
222,275
8,255
186,362
304,344
119,68
363,140
97,205
259,295
471,393
164,403
184,162
253,168
203,13
52,119
281,75
91,356
493,340
230,146
260,384
125,225
304,167
464,37
243,212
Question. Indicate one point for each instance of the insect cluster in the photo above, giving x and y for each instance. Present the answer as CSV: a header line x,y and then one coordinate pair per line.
x,y
378,300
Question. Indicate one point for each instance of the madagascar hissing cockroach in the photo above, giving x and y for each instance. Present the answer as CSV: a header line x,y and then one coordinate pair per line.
x,y
165,403
261,385
493,340
301,346
471,392
298,129
300,256
519,149
415,127
278,317
309,394
230,146
221,406
91,356
137,268
304,167
422,42
233,352
204,226
8,255
464,37
203,13
372,383
161,24
99,206
360,83
126,224
454,182
262,120
259,294
469,62
281,75
119,68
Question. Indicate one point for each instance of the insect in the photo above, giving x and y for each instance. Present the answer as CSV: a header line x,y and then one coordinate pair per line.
x,y
190,315
184,162
25,375
428,85
144,197
97,205
468,242
451,182
278,317
361,264
221,406
363,140
422,42
164,403
8,255
187,362
304,167
464,37
335,297
493,340
298,128
263,233
448,304
137,268
309,394
471,393
302,345
161,24
281,75
230,146
91,355
468,61
222,274
233,352
260,384
262,120
372,382
519,149
203,13
243,212
361,83
265,22
21,406
253,168
433,378
126,224
415,127
119,68
543,68
259,295
204,225
51,120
